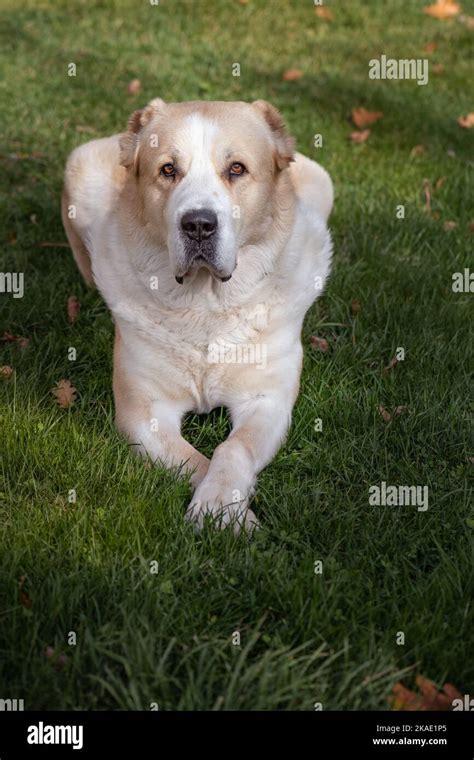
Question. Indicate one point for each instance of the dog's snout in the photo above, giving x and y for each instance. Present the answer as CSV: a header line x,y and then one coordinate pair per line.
x,y
199,225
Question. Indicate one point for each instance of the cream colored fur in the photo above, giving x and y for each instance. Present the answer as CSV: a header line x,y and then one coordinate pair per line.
x,y
203,343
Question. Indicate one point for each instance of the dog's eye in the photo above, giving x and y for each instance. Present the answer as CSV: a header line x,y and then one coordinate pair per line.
x,y
237,169
168,170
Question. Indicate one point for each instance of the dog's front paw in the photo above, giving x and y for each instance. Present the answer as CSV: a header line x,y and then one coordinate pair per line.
x,y
220,508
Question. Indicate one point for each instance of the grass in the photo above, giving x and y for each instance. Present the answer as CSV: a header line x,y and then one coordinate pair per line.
x,y
167,637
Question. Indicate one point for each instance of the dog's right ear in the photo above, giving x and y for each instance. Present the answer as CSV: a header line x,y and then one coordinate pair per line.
x,y
129,141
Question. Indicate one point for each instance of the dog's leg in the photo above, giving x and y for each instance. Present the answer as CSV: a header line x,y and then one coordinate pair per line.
x,y
154,426
259,427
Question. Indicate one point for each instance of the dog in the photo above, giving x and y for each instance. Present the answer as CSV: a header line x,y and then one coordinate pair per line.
x,y
206,235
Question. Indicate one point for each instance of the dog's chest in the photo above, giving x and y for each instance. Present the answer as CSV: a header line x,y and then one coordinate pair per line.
x,y
203,355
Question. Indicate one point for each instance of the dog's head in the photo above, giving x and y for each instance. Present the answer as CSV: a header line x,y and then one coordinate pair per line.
x,y
205,175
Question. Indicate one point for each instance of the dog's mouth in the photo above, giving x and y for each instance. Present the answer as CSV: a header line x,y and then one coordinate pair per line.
x,y
201,256
180,278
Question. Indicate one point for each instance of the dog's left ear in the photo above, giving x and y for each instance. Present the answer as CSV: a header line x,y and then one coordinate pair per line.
x,y
129,140
284,142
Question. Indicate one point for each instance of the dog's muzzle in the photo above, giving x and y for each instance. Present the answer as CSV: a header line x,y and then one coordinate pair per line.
x,y
199,229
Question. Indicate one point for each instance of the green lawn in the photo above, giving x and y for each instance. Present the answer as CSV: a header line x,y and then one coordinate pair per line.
x,y
167,637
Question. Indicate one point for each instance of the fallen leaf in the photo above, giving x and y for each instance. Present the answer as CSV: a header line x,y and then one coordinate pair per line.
x,y
471,460
437,68
320,344
33,219
134,87
73,309
400,409
442,9
430,47
324,13
355,306
6,371
363,118
466,122
440,182
9,338
58,661
470,226
292,75
24,598
65,394
392,363
360,137
448,225
426,698
386,416
467,21
418,150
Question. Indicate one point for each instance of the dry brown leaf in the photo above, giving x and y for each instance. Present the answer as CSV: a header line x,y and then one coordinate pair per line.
x,y
392,363
425,699
24,598
363,118
292,75
6,371
430,47
437,68
466,122
442,9
73,309
320,344
360,137
449,225
467,21
470,226
440,182
399,409
58,661
355,306
134,87
386,416
65,393
324,13
418,150
9,338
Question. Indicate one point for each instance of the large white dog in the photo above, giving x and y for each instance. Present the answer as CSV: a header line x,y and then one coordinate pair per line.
x,y
206,236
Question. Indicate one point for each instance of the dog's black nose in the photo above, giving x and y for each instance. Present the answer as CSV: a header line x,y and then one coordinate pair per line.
x,y
199,225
